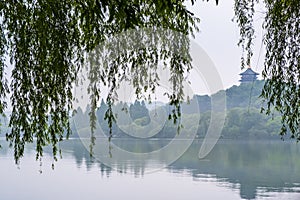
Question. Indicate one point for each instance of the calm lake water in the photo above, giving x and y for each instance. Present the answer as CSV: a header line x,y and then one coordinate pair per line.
x,y
233,170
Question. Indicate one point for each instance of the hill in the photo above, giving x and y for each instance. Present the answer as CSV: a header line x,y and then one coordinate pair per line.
x,y
244,119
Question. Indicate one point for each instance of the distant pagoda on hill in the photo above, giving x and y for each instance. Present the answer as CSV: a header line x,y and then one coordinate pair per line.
x,y
248,76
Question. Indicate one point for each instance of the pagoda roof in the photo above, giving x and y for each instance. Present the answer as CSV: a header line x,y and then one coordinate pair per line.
x,y
249,71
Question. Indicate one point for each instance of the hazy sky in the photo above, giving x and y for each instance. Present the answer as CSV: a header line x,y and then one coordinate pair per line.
x,y
219,36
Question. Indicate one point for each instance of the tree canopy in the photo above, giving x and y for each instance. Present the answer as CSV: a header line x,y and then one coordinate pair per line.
x,y
47,43
282,62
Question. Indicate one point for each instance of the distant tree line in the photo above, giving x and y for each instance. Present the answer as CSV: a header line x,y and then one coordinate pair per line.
x,y
243,120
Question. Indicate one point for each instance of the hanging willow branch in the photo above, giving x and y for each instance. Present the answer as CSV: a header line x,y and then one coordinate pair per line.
x,y
282,63
244,13
134,56
46,42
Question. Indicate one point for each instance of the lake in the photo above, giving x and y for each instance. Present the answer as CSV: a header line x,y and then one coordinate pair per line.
x,y
234,169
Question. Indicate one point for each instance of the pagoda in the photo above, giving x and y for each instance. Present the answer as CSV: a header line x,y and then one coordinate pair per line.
x,y
248,76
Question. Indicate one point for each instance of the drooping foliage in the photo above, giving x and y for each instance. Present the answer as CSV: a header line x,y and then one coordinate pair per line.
x,y
282,61
49,42
42,43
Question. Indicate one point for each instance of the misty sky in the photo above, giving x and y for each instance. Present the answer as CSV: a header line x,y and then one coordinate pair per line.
x,y
219,36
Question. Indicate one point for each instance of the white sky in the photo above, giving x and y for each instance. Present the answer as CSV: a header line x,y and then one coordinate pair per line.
x,y
219,36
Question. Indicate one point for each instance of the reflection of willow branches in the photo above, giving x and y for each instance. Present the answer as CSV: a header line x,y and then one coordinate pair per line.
x,y
134,56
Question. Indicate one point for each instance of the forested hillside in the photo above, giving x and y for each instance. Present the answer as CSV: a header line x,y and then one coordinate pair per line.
x,y
243,116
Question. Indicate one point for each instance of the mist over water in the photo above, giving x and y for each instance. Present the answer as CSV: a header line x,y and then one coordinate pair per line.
x,y
235,169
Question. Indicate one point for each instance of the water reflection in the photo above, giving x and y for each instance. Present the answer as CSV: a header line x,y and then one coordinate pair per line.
x,y
254,168
272,166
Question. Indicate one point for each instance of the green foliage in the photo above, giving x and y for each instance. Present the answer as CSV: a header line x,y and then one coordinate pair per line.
x,y
244,12
244,118
139,111
282,64
41,38
47,42
245,95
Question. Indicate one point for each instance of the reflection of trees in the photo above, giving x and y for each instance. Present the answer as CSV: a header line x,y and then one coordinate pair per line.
x,y
82,156
253,165
269,166
272,166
